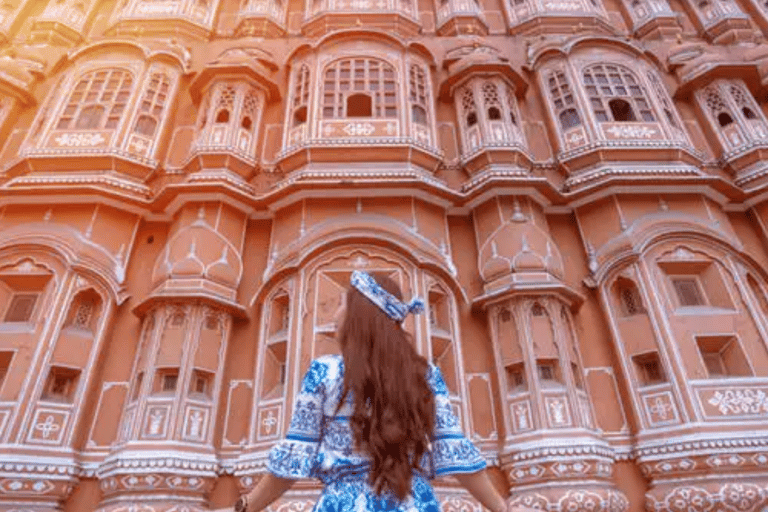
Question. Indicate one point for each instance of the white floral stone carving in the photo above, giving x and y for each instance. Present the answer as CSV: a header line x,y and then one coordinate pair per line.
x,y
631,132
80,139
358,129
740,401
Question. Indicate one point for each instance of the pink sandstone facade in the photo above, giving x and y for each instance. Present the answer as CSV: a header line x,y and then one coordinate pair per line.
x,y
579,189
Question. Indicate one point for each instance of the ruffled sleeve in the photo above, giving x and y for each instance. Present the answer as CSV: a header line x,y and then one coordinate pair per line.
x,y
451,451
296,456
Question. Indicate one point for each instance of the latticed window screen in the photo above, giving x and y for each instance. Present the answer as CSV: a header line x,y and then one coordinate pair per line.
x,y
468,107
347,84
563,100
491,101
717,106
688,292
83,313
631,302
663,97
97,101
740,96
152,104
616,95
225,102
21,307
301,96
417,91
250,110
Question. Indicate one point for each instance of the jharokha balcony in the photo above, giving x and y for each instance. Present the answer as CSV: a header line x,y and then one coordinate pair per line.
x,y
456,17
264,18
537,17
325,16
192,18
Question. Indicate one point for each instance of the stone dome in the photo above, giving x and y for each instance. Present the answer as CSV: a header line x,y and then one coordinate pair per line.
x,y
519,246
198,251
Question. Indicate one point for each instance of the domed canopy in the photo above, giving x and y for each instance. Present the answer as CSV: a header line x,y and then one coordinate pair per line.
x,y
519,246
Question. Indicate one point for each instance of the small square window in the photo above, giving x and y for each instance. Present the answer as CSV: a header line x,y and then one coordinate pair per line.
x,y
21,307
202,383
61,384
688,291
167,379
548,371
516,377
649,369
722,357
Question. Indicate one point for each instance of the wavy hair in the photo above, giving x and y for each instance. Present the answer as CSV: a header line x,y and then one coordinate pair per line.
x,y
394,407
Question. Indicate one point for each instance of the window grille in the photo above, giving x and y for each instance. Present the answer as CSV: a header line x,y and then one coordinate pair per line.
x,y
616,95
663,98
417,87
365,77
250,110
741,98
717,107
468,107
631,302
152,104
563,100
97,101
83,313
688,292
21,307
301,96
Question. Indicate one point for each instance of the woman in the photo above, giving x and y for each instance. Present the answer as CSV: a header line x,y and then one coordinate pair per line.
x,y
374,424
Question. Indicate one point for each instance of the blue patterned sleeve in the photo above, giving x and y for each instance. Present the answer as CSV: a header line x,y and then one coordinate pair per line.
x,y
296,456
451,451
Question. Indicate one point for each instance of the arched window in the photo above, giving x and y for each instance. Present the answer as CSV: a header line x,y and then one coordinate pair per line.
x,y
663,97
152,104
359,105
563,100
629,296
616,95
97,101
249,111
417,94
224,104
491,101
348,82
733,112
300,96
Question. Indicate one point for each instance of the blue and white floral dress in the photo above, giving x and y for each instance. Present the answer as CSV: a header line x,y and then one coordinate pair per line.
x,y
319,444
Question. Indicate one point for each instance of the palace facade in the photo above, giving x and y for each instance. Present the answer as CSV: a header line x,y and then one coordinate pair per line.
x,y
578,188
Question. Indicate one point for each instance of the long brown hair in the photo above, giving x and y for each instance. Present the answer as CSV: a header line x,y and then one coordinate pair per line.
x,y
394,408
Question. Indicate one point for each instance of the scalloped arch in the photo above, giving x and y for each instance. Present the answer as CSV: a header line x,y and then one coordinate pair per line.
x,y
375,230
73,250
131,46
575,43
696,234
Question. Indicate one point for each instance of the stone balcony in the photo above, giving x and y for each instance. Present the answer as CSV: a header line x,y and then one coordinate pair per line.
x,y
190,18
455,17
539,17
326,16
261,18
